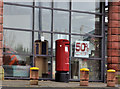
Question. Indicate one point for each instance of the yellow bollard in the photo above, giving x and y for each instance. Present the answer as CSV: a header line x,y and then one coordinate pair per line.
x,y
1,73
34,76
84,77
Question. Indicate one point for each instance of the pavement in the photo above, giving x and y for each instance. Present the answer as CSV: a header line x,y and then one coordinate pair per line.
x,y
25,84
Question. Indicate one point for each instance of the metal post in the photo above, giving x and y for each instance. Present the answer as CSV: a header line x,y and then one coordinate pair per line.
x,y
33,33
70,39
52,40
103,42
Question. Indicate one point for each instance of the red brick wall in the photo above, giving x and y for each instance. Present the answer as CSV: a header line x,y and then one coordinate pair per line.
x,y
113,45
1,30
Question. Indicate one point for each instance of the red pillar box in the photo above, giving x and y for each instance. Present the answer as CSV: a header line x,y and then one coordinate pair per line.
x,y
111,78
34,76
84,77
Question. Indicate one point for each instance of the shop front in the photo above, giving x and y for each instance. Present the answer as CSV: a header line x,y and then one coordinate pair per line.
x,y
32,26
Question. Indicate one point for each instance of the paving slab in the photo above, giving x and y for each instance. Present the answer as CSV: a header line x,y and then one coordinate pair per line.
x,y
25,84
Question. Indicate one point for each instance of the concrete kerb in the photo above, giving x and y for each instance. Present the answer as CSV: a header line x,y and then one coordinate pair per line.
x,y
57,88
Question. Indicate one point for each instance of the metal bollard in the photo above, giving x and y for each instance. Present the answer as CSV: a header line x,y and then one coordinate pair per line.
x,y
34,76
111,78
84,77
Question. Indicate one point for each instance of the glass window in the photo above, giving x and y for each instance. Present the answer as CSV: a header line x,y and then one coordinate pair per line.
x,y
44,65
92,48
61,5
17,41
16,65
43,3
46,37
61,21
92,65
56,37
42,19
85,24
17,17
86,6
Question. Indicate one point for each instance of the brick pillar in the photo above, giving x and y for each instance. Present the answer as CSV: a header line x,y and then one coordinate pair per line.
x,y
1,31
113,45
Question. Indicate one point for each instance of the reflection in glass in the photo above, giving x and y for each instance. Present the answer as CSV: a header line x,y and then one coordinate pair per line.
x,y
53,68
61,21
17,17
61,5
45,36
16,65
56,37
92,65
44,65
86,6
42,19
17,41
85,24
75,69
94,45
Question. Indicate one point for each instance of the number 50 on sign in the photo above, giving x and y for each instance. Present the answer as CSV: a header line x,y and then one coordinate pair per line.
x,y
81,49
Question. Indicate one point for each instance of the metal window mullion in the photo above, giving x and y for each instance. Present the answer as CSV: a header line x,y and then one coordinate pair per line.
x,y
16,54
17,29
52,40
33,61
58,9
21,29
103,69
87,58
15,4
70,39
52,8
40,22
77,80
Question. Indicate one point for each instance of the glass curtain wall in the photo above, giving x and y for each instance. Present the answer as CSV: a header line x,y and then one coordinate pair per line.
x,y
27,23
